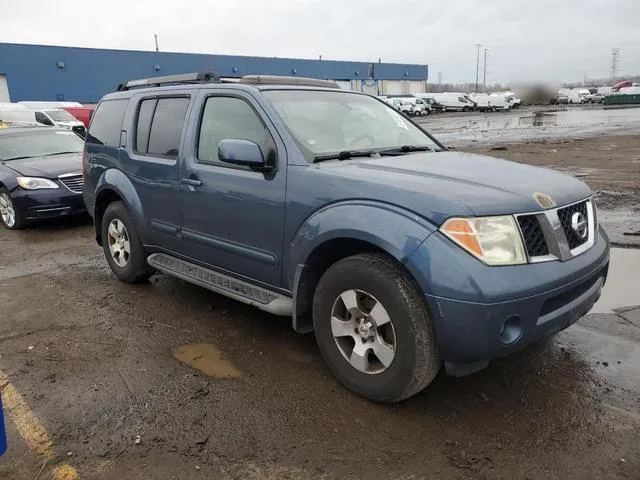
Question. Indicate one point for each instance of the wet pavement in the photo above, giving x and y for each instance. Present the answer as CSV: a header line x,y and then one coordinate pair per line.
x,y
531,123
167,380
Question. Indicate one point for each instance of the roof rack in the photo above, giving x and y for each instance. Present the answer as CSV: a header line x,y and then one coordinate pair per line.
x,y
283,80
202,77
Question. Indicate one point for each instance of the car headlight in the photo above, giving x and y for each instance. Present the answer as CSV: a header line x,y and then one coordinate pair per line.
x,y
494,240
35,183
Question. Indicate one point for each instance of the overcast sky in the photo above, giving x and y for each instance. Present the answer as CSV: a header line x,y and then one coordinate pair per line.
x,y
552,40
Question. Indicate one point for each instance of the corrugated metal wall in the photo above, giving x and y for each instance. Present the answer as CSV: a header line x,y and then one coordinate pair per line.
x,y
37,72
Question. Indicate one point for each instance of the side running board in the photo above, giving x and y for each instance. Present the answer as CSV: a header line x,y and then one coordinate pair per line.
x,y
245,292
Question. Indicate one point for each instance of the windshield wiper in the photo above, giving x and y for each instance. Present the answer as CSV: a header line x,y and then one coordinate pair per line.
x,y
59,153
406,149
344,155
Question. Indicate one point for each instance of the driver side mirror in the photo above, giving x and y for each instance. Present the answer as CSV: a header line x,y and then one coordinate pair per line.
x,y
242,152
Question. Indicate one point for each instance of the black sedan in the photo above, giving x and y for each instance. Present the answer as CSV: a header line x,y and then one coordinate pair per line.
x,y
40,175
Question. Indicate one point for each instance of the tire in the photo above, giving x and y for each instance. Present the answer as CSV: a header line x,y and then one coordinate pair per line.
x,y
366,281
465,109
129,264
9,217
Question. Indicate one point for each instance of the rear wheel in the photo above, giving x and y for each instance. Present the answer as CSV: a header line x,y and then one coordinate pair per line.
x,y
122,246
465,109
8,214
373,328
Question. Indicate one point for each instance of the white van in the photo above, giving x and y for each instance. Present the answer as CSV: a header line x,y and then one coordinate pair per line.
x,y
453,101
579,95
499,102
53,118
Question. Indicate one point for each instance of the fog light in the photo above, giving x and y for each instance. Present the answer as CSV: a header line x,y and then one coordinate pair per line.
x,y
511,330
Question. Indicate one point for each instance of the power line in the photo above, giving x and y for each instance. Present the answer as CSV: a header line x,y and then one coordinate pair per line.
x,y
615,54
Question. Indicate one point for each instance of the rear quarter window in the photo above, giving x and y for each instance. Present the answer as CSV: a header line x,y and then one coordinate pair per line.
x,y
106,123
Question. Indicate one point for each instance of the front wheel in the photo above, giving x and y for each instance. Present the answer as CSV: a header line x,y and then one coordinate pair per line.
x,y
8,214
122,246
374,330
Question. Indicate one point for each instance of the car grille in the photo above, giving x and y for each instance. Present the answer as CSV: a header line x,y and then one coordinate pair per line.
x,y
73,182
565,215
545,240
533,236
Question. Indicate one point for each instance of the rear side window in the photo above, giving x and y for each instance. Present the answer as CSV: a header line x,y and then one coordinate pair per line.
x,y
159,126
143,124
106,123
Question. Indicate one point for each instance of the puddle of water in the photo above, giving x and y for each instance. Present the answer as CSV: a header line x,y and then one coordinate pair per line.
x,y
206,358
623,283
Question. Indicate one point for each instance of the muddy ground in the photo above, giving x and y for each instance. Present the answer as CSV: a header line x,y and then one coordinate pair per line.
x,y
102,366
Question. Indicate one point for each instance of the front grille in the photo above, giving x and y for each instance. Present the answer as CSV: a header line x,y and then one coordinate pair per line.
x,y
565,215
73,182
533,236
80,130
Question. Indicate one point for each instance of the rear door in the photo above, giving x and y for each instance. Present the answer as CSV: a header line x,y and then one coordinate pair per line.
x,y
152,163
232,216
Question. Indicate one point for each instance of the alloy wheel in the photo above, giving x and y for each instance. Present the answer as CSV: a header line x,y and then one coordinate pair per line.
x,y
363,331
7,211
118,240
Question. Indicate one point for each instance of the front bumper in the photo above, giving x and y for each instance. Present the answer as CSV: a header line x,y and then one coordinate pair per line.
x,y
483,312
33,205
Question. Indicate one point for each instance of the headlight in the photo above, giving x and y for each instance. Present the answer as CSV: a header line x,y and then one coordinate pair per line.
x,y
494,240
35,183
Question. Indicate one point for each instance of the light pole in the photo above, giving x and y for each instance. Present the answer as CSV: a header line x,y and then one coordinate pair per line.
x,y
477,64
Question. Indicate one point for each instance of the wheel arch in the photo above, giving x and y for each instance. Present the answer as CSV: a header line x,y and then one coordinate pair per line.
x,y
341,231
115,186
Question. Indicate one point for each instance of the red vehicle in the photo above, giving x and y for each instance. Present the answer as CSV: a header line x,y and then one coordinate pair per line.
x,y
81,113
619,85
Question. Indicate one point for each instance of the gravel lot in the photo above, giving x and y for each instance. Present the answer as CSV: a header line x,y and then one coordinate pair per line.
x,y
116,374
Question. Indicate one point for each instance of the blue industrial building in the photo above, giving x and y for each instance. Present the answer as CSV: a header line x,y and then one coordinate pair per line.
x,y
39,72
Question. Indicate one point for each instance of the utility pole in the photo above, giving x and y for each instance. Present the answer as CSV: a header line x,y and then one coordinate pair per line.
x,y
484,71
615,53
155,37
477,64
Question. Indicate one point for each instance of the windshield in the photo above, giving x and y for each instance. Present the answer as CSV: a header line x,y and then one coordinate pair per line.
x,y
38,144
325,122
60,116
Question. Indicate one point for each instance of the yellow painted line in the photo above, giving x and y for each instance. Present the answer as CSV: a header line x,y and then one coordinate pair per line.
x,y
30,428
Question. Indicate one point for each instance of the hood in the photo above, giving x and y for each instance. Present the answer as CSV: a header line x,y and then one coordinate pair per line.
x,y
442,184
47,167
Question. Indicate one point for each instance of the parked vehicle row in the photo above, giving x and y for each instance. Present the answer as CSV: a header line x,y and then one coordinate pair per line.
x,y
426,103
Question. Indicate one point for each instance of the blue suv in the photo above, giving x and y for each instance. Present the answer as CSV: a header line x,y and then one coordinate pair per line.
x,y
333,208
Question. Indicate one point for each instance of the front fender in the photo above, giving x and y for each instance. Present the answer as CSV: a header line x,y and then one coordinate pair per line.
x,y
392,229
114,180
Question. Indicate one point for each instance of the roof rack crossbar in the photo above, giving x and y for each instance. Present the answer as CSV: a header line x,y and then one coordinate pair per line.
x,y
198,77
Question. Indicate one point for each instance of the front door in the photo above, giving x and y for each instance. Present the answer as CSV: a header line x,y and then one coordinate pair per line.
x,y
232,216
